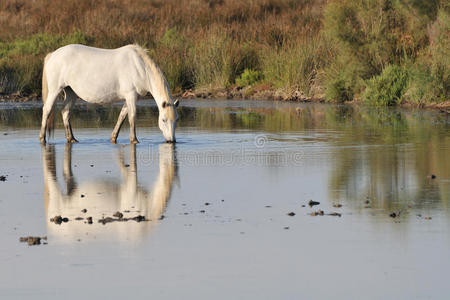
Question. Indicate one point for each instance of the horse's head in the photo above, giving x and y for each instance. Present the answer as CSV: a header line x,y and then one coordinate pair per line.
x,y
168,117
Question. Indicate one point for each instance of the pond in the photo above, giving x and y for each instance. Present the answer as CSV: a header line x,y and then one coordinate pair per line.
x,y
227,208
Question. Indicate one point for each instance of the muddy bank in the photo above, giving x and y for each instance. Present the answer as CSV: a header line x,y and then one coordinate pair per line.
x,y
247,93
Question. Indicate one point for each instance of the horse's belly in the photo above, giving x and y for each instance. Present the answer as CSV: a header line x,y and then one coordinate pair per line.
x,y
96,94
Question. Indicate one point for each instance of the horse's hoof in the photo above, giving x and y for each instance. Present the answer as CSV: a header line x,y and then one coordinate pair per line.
x,y
113,141
43,142
72,140
134,142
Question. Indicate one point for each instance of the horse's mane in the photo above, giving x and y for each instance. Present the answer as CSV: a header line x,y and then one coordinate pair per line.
x,y
154,74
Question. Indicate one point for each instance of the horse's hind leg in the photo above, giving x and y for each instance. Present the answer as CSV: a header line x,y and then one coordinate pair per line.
x,y
46,111
67,106
122,116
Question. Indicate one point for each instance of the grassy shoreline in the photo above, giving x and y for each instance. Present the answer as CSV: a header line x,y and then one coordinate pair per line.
x,y
383,53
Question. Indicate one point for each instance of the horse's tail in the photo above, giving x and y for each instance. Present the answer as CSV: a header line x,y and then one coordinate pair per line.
x,y
51,117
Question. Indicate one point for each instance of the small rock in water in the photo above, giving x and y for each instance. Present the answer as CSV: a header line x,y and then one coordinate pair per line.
x,y
82,196
317,213
312,203
432,176
89,220
202,211
32,240
427,218
106,220
291,214
92,166
84,210
268,206
79,218
2,178
287,227
58,220
393,215
207,203
335,214
118,214
139,218
337,205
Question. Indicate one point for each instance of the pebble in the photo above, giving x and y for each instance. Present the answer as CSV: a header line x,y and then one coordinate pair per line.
x,y
317,213
118,214
291,214
312,203
335,214
32,240
59,220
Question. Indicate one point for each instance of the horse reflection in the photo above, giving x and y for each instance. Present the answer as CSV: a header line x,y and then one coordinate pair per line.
x,y
103,197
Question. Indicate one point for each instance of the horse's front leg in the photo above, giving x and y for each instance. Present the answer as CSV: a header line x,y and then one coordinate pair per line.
x,y
131,106
122,115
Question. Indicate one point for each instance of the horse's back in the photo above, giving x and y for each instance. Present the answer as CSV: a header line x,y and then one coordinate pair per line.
x,y
95,74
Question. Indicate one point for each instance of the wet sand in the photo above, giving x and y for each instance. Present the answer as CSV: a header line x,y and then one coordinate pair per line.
x,y
217,204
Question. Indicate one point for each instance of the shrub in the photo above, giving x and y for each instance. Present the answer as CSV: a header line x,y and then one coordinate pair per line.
x,y
387,88
430,74
248,77
294,66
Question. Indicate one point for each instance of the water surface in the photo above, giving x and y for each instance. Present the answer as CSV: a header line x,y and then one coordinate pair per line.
x,y
217,203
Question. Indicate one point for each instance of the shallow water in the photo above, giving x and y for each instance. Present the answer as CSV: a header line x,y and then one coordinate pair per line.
x,y
253,162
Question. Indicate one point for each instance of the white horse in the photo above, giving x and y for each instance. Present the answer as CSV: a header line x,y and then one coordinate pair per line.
x,y
105,76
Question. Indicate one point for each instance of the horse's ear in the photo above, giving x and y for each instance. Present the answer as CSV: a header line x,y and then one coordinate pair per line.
x,y
164,104
176,103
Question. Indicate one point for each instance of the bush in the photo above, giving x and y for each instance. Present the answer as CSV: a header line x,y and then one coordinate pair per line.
x,y
295,65
430,74
387,88
248,77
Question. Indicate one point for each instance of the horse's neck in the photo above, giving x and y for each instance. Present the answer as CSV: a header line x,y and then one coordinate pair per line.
x,y
157,84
